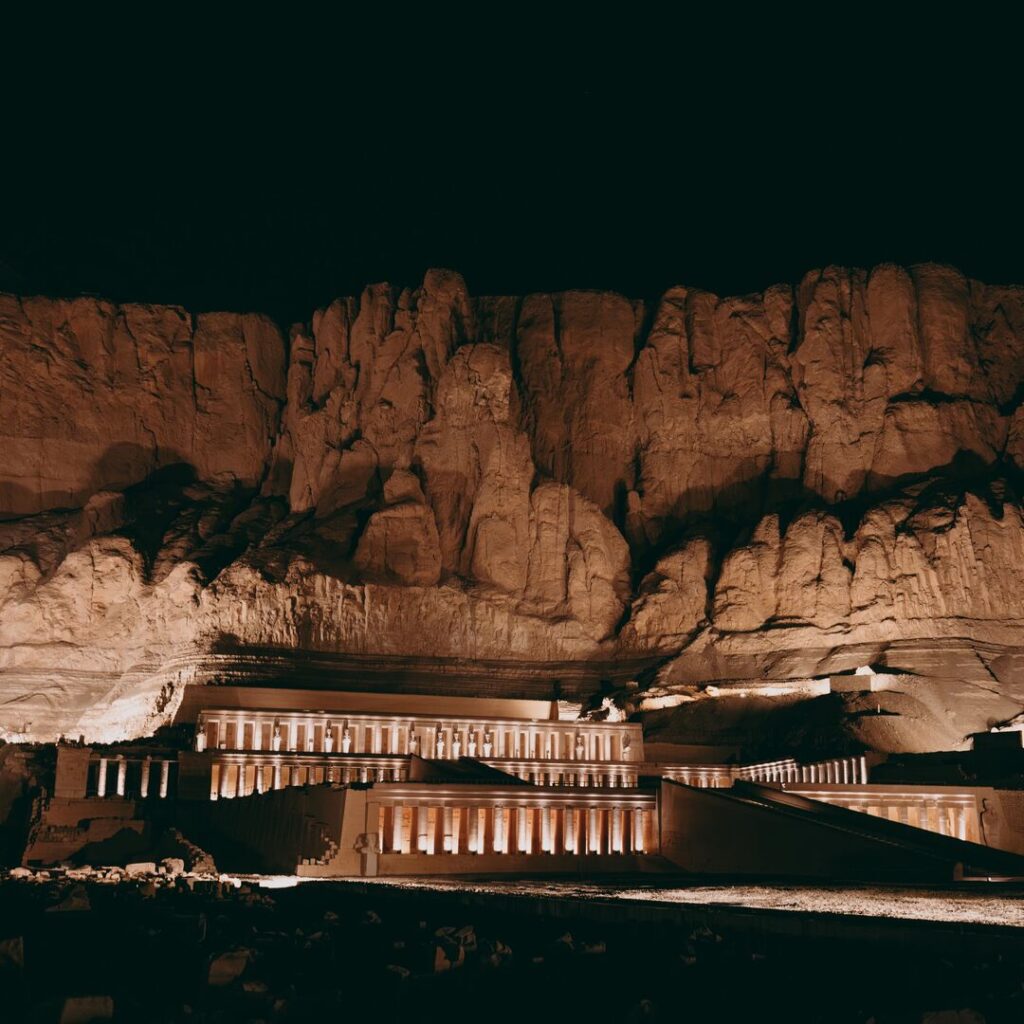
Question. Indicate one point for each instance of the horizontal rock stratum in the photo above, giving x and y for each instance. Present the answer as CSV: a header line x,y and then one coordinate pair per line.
x,y
769,487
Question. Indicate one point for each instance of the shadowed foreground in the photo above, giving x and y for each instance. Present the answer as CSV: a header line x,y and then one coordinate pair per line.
x,y
329,951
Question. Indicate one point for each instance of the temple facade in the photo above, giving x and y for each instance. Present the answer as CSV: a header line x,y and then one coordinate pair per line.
x,y
325,783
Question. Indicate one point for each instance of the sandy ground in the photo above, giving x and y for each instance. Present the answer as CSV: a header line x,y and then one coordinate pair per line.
x,y
965,905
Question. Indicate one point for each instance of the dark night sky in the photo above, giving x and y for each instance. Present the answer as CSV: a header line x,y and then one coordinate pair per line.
x,y
275,178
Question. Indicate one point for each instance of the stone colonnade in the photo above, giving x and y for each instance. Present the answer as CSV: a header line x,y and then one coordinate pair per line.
x,y
506,824
842,770
950,813
237,775
617,775
434,738
141,769
851,771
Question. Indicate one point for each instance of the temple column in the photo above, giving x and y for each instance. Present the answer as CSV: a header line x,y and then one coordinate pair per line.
x,y
243,782
442,829
434,830
557,831
101,778
458,830
144,779
961,823
498,814
224,773
259,779
638,830
615,814
592,836
472,816
569,830
485,830
943,816
214,781
277,776
397,816
122,774
257,734
420,824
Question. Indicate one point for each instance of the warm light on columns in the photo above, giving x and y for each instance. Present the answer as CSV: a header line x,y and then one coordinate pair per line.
x,y
499,829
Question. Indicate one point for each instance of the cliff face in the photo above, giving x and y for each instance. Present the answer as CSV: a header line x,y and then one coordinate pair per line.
x,y
777,486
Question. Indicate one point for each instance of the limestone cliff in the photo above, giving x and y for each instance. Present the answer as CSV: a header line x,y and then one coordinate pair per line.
x,y
770,487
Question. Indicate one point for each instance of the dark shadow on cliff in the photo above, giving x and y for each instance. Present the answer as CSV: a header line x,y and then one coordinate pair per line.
x,y
737,508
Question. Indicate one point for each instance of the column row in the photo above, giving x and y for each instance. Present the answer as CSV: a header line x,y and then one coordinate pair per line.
x,y
242,779
142,770
581,777
441,829
955,820
844,770
437,741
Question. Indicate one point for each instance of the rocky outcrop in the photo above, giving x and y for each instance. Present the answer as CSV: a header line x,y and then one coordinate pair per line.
x,y
97,396
767,487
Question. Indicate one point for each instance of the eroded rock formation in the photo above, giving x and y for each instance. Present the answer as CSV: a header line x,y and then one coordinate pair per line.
x,y
768,487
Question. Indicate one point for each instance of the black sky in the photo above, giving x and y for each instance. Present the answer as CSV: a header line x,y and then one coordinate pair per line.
x,y
221,174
